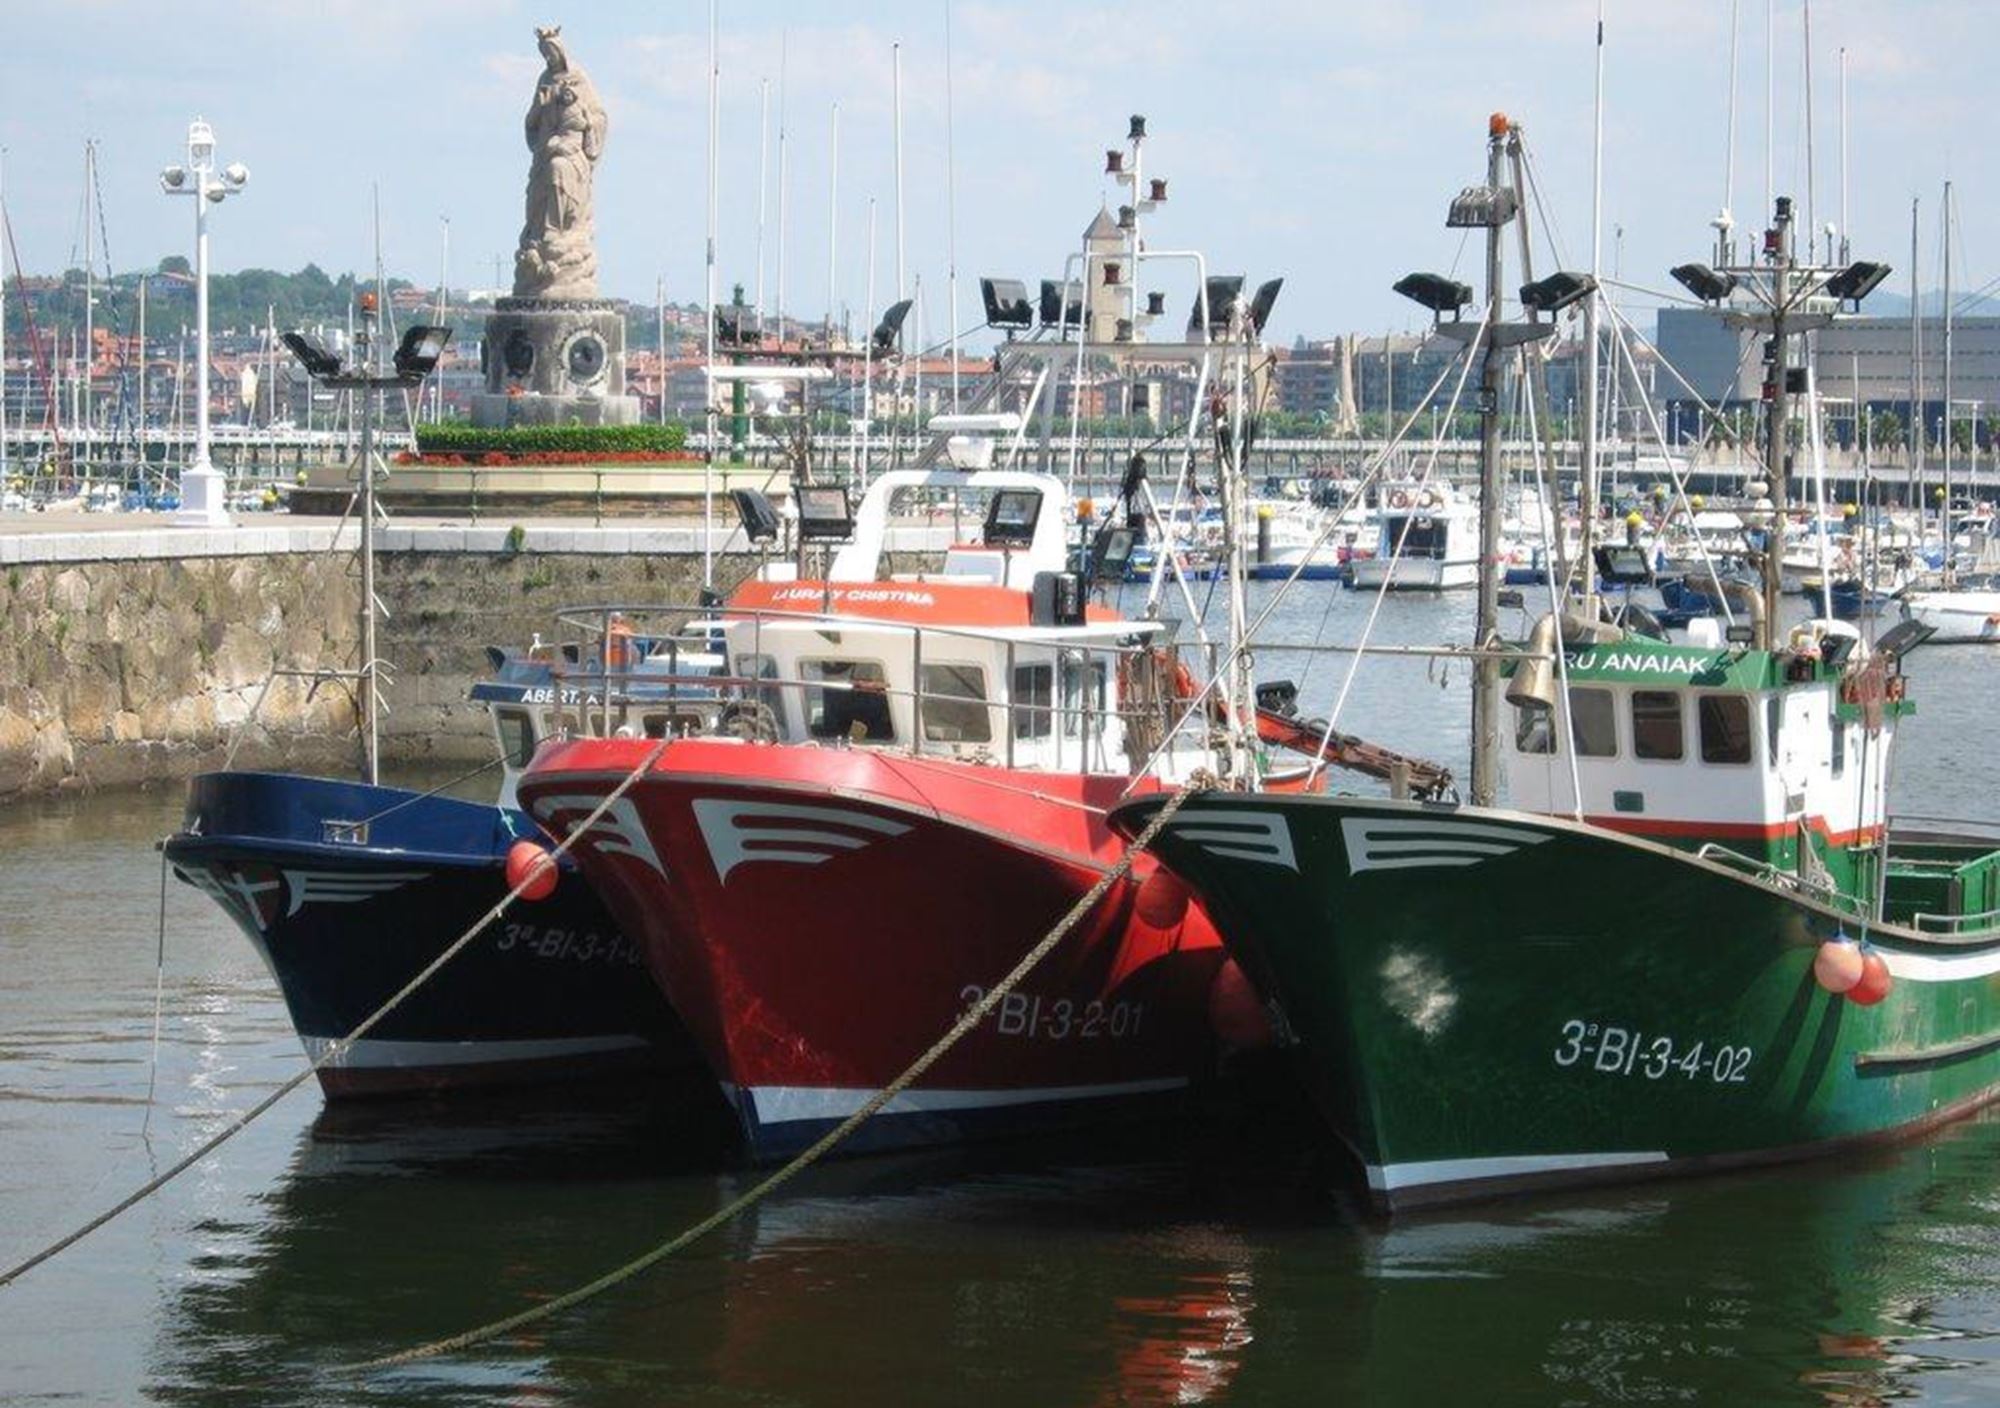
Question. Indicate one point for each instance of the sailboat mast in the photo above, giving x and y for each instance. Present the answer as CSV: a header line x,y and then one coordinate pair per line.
x,y
89,307
1486,671
1914,431
1945,216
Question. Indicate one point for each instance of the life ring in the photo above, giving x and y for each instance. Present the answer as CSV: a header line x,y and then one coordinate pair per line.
x,y
1399,499
1429,498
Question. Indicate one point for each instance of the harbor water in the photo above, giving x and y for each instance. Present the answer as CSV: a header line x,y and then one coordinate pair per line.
x,y
1222,1258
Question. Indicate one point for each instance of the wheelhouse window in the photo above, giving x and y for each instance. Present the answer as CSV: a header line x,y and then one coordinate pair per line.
x,y
1774,714
1593,718
1083,685
1656,725
955,704
1034,701
1839,733
1533,730
517,736
1421,536
1725,727
763,667
847,699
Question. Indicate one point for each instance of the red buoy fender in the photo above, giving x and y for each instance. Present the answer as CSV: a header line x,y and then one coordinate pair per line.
x,y
531,870
1235,1013
1163,898
1875,981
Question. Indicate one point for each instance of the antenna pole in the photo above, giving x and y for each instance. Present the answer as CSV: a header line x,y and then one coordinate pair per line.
x,y
896,88
763,183
833,227
1812,200
1770,102
1587,470
868,357
1843,157
1723,253
951,210
708,398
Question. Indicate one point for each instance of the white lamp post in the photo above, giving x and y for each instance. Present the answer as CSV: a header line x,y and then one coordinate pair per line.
x,y
202,488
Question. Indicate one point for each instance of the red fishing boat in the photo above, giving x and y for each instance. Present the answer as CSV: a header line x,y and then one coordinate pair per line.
x,y
820,910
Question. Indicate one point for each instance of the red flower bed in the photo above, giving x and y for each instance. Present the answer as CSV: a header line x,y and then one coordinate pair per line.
x,y
496,459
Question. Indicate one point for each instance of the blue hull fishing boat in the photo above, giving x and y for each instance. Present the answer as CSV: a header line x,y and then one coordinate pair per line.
x,y
348,890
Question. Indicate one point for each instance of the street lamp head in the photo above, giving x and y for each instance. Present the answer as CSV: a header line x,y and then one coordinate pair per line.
x,y
216,193
236,174
201,145
172,178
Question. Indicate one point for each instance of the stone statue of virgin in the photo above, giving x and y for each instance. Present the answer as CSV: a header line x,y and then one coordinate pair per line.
x,y
566,127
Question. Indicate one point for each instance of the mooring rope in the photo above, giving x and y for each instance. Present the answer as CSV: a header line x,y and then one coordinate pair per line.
x,y
340,1047
159,992
967,1021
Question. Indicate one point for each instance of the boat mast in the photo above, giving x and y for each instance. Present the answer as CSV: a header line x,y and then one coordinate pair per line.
x,y
1586,496
1486,671
1778,245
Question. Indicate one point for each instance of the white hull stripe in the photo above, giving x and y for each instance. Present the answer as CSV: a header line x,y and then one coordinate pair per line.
x,y
1396,843
783,1104
620,831
1240,833
1387,1178
737,833
1923,968
343,886
390,1055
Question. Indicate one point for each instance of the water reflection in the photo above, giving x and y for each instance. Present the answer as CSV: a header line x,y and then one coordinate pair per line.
x,y
1217,1261
1134,1272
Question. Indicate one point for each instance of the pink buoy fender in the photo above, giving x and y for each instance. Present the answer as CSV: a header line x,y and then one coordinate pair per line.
x,y
1838,964
531,870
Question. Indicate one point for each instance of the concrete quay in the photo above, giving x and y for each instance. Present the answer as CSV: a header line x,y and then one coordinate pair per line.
x,y
133,652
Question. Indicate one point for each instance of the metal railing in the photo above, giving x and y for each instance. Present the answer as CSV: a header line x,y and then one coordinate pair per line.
x,y
1077,729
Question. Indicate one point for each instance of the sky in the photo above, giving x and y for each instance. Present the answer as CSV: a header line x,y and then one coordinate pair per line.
x,y
1319,140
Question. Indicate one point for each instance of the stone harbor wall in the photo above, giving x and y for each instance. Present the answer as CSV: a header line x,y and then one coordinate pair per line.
x,y
137,658
133,671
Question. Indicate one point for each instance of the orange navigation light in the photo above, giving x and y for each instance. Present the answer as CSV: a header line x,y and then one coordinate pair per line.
x,y
1498,125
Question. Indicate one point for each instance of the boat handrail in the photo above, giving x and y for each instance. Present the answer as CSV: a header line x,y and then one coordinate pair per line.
x,y
1951,923
1827,893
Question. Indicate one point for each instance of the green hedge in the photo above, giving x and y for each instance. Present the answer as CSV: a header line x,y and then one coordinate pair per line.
x,y
532,439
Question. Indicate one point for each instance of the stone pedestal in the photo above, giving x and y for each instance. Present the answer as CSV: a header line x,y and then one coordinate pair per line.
x,y
550,361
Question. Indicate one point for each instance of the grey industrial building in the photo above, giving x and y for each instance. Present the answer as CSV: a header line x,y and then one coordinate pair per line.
x,y
1860,361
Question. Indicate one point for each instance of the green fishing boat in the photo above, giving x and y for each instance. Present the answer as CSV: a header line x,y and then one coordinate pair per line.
x,y
1691,943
